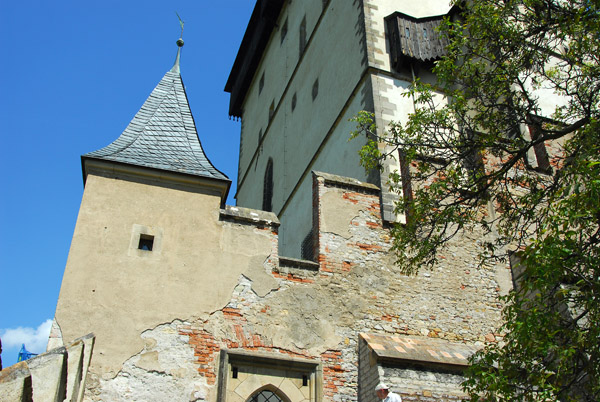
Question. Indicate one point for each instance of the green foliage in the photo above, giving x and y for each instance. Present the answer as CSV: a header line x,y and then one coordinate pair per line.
x,y
506,62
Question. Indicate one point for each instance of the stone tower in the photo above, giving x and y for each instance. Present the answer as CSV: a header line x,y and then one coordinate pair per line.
x,y
147,236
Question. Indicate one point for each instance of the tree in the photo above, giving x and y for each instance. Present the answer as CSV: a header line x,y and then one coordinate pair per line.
x,y
494,142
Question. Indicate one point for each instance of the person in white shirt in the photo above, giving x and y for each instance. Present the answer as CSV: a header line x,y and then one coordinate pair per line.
x,y
383,393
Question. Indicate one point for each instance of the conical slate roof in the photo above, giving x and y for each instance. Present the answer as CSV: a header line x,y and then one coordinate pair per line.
x,y
162,135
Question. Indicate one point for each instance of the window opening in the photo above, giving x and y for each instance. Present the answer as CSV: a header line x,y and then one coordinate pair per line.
x,y
302,36
271,110
146,242
268,187
234,372
284,29
304,380
261,83
265,396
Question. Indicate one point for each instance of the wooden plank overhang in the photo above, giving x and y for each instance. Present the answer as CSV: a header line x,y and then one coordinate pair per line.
x,y
415,39
261,25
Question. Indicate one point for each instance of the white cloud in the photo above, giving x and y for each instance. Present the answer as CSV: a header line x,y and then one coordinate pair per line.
x,y
35,339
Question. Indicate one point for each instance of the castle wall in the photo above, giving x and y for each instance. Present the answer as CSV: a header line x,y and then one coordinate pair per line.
x,y
298,322
347,53
333,157
295,137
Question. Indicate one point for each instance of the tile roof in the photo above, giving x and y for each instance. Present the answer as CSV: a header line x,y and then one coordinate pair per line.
x,y
419,349
162,135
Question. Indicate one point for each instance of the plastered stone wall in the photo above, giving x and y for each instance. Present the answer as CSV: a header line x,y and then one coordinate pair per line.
x,y
317,315
307,311
417,384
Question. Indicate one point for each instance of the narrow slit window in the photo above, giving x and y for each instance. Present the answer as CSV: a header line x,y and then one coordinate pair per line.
x,y
284,29
146,242
302,36
268,187
261,83
271,110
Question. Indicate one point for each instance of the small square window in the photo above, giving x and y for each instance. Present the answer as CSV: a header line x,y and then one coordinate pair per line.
x,y
146,242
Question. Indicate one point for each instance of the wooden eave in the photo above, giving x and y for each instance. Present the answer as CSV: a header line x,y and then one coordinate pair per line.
x,y
415,39
261,25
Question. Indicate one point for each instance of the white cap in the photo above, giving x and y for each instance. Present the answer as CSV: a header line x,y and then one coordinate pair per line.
x,y
381,386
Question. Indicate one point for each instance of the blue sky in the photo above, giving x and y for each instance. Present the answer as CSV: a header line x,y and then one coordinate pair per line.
x,y
72,76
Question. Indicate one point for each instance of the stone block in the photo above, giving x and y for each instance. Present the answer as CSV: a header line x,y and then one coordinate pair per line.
x,y
74,369
48,375
88,347
15,383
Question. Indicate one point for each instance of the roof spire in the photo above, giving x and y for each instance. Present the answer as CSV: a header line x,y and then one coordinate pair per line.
x,y
179,42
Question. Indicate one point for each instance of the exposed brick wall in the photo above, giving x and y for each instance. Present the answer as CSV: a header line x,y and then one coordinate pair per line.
x,y
205,351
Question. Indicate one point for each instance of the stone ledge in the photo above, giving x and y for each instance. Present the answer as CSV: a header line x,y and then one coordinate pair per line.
x,y
248,215
419,349
288,262
347,182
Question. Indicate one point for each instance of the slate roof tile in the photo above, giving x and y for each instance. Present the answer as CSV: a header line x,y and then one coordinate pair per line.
x,y
162,135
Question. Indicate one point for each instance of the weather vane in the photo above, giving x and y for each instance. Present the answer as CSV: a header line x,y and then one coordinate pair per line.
x,y
181,24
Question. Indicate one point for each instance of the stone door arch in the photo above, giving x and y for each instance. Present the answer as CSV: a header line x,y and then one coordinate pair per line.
x,y
263,377
268,393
